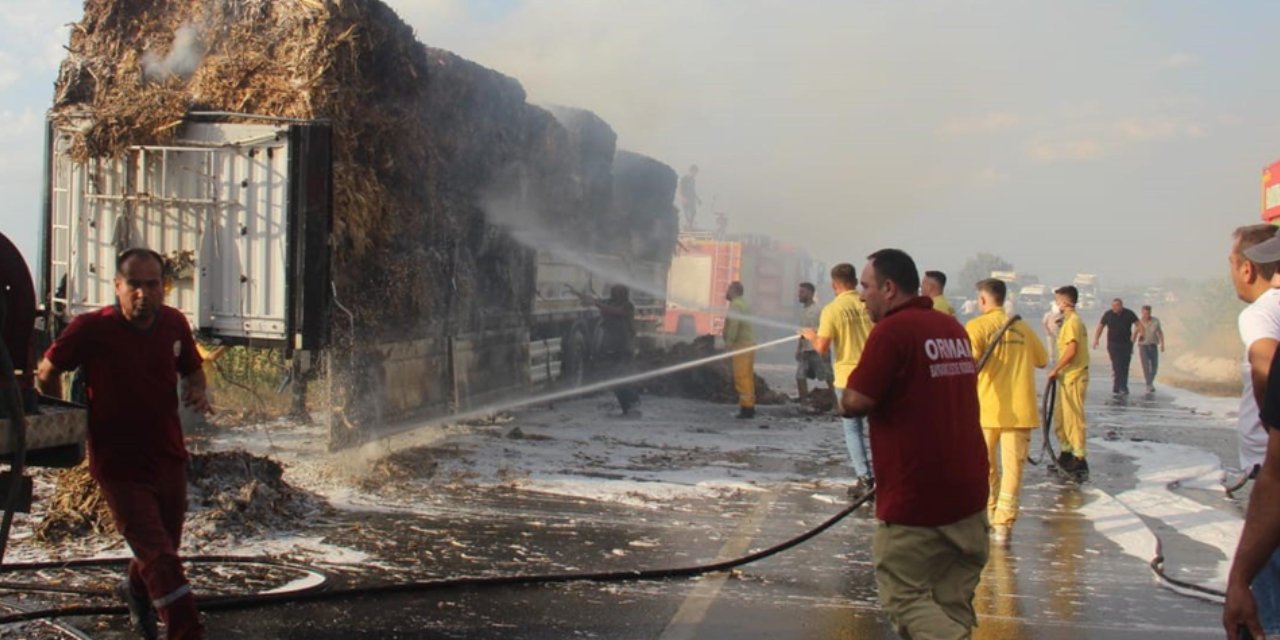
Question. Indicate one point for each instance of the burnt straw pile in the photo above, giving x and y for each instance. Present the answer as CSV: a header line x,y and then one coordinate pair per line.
x,y
712,381
232,495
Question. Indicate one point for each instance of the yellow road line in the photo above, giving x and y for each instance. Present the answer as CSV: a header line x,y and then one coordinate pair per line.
x,y
684,624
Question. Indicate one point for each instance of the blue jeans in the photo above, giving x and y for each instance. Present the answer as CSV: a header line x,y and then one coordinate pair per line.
x,y
1266,591
853,434
1150,356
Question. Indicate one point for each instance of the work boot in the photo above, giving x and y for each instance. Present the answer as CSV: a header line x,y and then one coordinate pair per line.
x,y
1066,461
1081,470
746,413
141,616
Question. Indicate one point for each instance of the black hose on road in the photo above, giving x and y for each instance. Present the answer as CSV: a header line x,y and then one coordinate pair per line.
x,y
316,594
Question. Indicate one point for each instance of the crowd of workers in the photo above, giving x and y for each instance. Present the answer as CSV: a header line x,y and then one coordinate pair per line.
x,y
947,473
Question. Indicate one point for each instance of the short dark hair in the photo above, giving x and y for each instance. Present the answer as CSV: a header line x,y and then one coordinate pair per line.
x,y
1070,292
736,287
896,265
845,274
808,286
938,276
138,251
995,288
1146,307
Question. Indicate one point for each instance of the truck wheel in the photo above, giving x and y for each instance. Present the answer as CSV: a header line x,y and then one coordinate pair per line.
x,y
573,359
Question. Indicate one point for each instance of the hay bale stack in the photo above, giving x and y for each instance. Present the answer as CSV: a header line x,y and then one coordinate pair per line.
x,y
424,141
594,144
643,190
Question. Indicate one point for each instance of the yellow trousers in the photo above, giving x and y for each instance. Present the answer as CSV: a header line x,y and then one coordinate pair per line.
x,y
1006,482
1068,413
744,378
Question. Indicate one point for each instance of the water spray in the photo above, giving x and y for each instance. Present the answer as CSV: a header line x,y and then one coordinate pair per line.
x,y
472,414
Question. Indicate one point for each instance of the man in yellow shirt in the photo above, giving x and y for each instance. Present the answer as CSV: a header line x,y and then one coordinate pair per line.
x,y
739,334
934,285
1072,374
1007,396
843,328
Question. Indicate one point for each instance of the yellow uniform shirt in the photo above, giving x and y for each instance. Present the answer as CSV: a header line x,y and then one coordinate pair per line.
x,y
738,333
940,303
1007,384
846,324
1073,331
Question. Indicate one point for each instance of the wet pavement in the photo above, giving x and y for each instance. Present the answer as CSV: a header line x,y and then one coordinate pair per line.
x,y
1060,577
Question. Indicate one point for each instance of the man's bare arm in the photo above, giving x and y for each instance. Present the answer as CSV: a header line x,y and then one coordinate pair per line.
x,y
820,344
854,404
49,379
1260,354
196,394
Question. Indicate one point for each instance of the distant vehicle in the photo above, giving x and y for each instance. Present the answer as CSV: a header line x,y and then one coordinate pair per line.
x,y
1087,285
1034,298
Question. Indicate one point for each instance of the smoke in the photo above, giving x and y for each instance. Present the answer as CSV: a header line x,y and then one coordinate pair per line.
x,y
846,127
182,60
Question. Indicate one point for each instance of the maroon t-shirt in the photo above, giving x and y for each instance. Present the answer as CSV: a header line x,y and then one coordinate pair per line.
x,y
132,380
926,442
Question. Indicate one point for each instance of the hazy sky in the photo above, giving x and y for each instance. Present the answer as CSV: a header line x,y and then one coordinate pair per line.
x,y
1123,138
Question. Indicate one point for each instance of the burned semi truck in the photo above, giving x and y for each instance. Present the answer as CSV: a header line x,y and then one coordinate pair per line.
x,y
391,215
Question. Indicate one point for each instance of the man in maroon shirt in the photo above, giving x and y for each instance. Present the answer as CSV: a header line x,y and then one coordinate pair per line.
x,y
917,384
132,354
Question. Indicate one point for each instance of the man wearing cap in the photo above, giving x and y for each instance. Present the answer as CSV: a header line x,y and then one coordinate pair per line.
x,y
1254,256
1253,585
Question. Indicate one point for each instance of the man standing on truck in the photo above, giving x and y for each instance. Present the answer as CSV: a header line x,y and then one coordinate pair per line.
x,y
739,334
809,363
1150,338
1118,323
934,286
1007,395
689,199
1072,374
132,354
916,383
843,328
617,342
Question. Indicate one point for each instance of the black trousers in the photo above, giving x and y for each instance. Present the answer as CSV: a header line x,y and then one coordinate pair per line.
x,y
1121,356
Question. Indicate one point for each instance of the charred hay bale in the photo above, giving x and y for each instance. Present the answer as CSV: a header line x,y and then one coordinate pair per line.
x,y
712,382
644,190
230,494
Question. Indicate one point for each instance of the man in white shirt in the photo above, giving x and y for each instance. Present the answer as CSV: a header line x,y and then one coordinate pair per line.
x,y
1255,257
1253,263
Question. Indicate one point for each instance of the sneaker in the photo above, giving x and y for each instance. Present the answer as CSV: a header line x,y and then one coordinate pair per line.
x,y
861,487
141,616
746,413
1001,532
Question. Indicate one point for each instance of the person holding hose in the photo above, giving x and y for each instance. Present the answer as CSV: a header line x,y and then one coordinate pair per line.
x,y
739,334
1072,375
842,329
916,384
1007,395
132,354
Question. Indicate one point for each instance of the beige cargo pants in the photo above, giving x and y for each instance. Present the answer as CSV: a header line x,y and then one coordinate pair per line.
x,y
926,576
